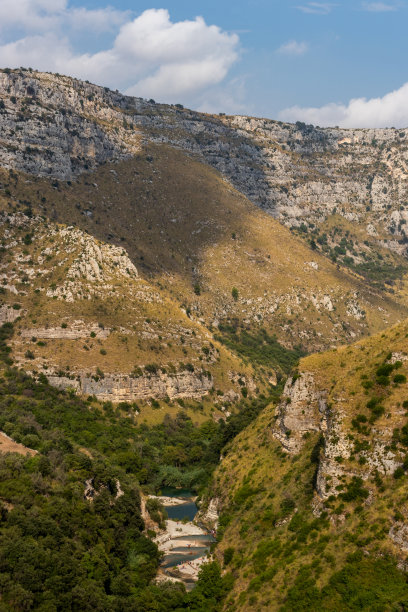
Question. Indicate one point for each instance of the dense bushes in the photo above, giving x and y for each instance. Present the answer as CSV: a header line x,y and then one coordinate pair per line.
x,y
259,347
364,583
63,550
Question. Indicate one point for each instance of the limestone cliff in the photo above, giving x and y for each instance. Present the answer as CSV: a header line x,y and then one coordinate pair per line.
x,y
145,387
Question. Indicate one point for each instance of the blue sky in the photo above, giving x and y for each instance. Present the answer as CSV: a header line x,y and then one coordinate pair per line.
x,y
272,58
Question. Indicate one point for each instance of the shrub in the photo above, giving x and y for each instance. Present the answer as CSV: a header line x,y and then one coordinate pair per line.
x,y
385,369
399,379
355,490
399,473
234,293
228,555
287,506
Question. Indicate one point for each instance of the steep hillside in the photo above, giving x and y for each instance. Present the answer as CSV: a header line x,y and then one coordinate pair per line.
x,y
137,272
316,518
86,319
306,176
183,225
76,533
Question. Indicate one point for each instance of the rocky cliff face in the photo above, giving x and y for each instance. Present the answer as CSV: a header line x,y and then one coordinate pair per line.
x,y
326,487
57,126
145,387
84,317
353,442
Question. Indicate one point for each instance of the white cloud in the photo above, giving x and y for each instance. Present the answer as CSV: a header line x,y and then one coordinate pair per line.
x,y
229,98
317,8
34,16
293,47
151,56
379,7
389,111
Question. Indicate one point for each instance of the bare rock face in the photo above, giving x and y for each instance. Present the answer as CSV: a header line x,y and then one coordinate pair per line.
x,y
299,412
8,314
93,270
399,535
304,410
57,126
75,330
209,515
124,388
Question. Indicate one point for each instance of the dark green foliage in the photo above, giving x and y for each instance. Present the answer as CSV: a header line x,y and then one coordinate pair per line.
x,y
372,584
60,551
287,506
385,369
355,490
399,379
399,473
6,332
364,583
259,347
211,589
228,555
244,493
377,410
156,511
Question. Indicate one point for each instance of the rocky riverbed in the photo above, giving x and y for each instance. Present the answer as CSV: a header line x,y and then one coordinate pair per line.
x,y
186,546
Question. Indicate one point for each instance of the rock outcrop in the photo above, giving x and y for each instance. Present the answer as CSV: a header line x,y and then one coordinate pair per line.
x,y
305,409
122,388
299,173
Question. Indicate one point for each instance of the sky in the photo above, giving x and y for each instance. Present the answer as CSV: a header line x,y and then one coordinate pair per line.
x,y
327,63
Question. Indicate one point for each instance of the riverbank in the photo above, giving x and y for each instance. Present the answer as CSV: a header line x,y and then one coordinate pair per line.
x,y
186,548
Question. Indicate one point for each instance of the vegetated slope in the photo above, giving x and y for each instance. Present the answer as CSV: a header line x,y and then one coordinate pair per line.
x,y
316,518
342,191
73,517
91,323
198,239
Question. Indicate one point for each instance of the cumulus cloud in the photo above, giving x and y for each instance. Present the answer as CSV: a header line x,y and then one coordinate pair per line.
x,y
317,8
293,47
379,7
34,16
150,56
389,111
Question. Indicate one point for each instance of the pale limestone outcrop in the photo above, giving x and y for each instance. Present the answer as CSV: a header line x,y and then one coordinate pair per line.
x,y
299,173
8,314
209,515
298,413
123,388
304,409
95,268
399,535
58,126
73,331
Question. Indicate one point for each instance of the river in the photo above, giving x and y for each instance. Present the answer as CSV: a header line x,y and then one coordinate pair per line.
x,y
186,546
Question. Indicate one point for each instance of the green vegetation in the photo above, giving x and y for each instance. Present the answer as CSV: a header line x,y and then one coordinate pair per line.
x,y
72,535
259,347
367,584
